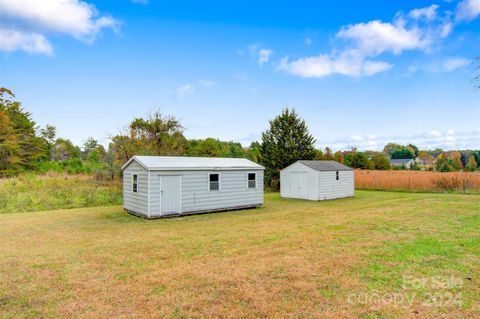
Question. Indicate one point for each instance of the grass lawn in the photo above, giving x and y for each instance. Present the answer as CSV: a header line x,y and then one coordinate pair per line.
x,y
378,255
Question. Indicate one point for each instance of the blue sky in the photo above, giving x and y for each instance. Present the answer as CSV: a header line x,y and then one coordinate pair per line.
x,y
361,73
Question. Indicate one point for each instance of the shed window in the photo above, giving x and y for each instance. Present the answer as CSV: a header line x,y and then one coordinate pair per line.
x,y
252,180
338,176
214,182
135,183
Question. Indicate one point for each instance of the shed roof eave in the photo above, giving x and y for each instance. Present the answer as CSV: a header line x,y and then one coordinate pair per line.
x,y
206,169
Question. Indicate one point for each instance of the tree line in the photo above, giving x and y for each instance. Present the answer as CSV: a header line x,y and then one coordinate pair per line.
x,y
26,147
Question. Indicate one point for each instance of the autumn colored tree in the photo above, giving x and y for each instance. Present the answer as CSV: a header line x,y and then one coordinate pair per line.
x,y
338,156
471,164
10,153
425,157
286,141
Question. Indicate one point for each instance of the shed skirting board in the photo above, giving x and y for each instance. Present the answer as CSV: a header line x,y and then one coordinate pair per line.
x,y
218,210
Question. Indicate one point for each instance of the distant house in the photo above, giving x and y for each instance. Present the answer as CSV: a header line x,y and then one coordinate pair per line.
x,y
316,180
405,162
158,186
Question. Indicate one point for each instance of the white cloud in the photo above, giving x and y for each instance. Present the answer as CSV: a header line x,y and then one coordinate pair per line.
x,y
184,90
325,65
73,17
357,47
357,138
376,37
264,55
428,13
467,10
435,133
452,64
34,43
260,54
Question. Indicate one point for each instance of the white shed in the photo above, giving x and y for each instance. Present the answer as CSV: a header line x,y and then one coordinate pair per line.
x,y
316,180
158,186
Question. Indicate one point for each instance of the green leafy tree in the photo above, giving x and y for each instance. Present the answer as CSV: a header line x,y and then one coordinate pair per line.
x,y
65,150
154,135
88,146
391,147
49,133
318,155
286,141
254,152
402,153
380,162
360,160
414,149
445,165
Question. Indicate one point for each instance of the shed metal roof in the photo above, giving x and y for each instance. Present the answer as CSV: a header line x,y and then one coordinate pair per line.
x,y
192,163
326,165
399,161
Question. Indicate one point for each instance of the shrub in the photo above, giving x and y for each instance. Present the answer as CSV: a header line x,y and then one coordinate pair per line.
x,y
447,183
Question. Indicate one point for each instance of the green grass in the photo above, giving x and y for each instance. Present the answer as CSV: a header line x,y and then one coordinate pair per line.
x,y
291,258
31,192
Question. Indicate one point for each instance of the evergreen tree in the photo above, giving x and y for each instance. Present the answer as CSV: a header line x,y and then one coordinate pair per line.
x,y
10,153
32,147
286,141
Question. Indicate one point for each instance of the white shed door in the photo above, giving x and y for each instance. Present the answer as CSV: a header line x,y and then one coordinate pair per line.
x,y
170,194
298,185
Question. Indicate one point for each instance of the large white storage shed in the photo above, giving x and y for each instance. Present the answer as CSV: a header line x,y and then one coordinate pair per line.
x,y
316,180
158,186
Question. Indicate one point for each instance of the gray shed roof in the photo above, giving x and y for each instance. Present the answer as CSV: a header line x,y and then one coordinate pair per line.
x,y
191,163
326,165
400,161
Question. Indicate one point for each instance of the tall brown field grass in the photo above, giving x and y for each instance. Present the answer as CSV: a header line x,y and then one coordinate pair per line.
x,y
415,181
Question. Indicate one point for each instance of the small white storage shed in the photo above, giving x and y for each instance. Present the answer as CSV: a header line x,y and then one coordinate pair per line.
x,y
158,186
316,180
